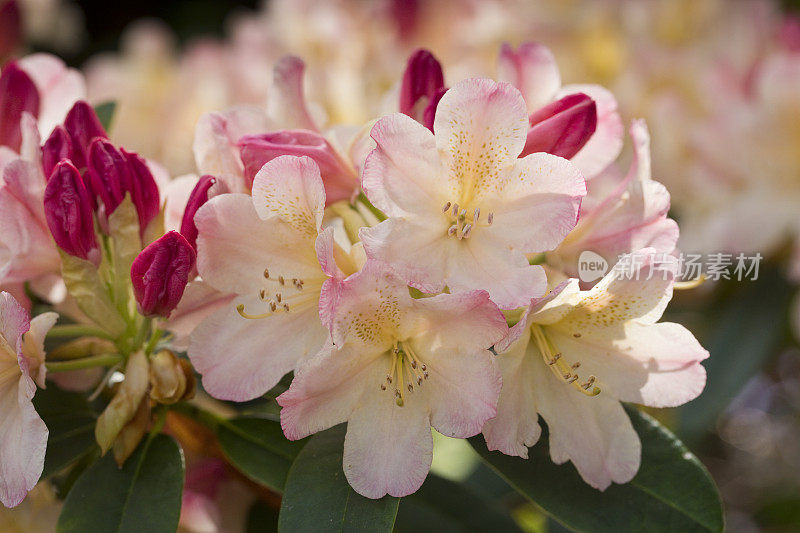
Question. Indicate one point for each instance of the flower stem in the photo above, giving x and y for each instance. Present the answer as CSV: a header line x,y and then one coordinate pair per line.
x,y
85,362
76,330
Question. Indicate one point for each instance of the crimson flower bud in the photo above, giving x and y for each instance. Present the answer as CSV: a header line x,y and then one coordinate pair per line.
x,y
422,87
143,189
256,150
108,174
197,198
68,211
18,94
57,147
160,274
562,127
83,126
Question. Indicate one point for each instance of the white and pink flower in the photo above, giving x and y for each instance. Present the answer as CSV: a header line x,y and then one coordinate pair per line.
x,y
395,367
463,208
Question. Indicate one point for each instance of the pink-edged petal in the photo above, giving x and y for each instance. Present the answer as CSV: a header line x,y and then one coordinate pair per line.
x,y
291,188
59,88
199,301
418,252
532,69
403,174
14,321
650,364
215,143
331,288
241,359
23,439
480,128
463,388
287,102
605,145
538,204
516,426
388,449
484,263
33,346
594,433
235,247
463,321
326,389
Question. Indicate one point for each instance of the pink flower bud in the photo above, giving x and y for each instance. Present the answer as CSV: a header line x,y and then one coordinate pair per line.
x,y
18,94
143,189
160,274
112,173
197,198
83,126
423,85
57,147
562,127
108,173
339,179
68,211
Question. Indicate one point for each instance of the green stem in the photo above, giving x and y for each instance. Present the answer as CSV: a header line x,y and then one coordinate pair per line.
x,y
85,362
157,334
375,211
76,330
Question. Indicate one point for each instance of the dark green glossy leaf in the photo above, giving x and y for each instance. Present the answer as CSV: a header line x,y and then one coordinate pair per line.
x,y
261,518
143,495
257,447
318,498
105,112
442,505
70,420
671,492
744,337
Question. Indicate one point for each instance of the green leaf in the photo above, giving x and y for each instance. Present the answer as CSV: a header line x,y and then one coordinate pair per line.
x,y
105,112
743,339
318,497
256,446
671,492
143,495
261,518
443,505
70,420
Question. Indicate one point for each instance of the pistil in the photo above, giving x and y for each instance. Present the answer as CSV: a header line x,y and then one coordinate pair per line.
x,y
559,366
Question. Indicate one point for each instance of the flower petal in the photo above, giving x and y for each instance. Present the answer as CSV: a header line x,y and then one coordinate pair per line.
x,y
533,70
291,188
605,145
241,359
481,128
403,174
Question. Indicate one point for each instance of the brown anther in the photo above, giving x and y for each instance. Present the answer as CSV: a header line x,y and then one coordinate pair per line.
x,y
414,365
273,306
576,365
419,381
388,378
576,335
467,229
278,297
266,273
424,367
572,379
490,218
425,375
589,383
452,230
281,280
286,307
446,207
410,387
476,215
455,209
383,387
262,294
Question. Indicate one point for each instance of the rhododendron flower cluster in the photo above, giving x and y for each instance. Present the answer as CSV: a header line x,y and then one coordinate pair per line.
x,y
412,275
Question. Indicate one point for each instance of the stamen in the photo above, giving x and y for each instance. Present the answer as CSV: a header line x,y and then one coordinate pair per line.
x,y
462,214
452,230
404,360
266,273
576,365
490,218
286,307
455,209
467,229
476,215
281,280
278,297
446,207
262,294
576,335
273,306
240,310
559,366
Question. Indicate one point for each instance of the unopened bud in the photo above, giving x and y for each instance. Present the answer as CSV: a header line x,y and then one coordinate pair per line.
x,y
83,126
108,174
125,403
56,148
131,434
68,211
143,189
423,85
10,28
338,178
198,197
160,274
18,94
167,378
562,127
